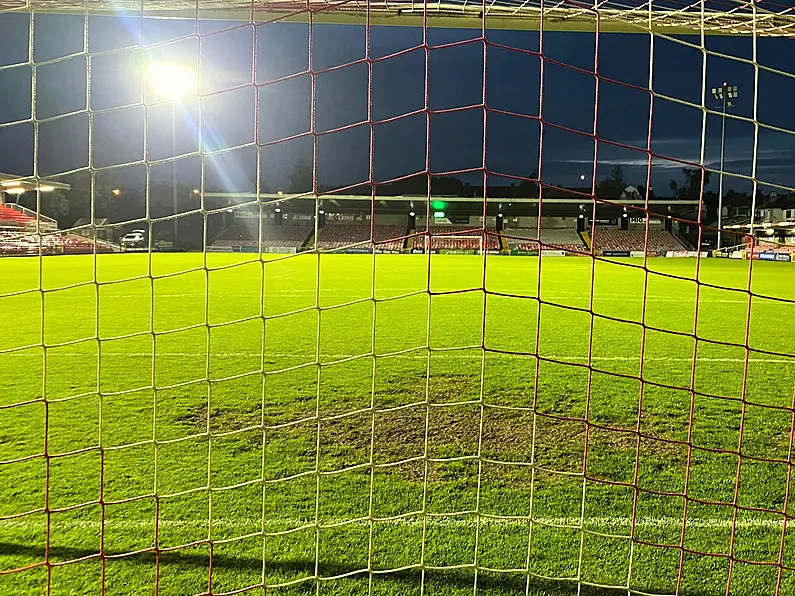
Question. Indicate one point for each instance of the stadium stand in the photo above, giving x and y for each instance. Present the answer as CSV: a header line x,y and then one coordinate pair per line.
x,y
551,239
240,234
18,235
470,238
387,237
10,217
285,236
763,246
20,243
635,240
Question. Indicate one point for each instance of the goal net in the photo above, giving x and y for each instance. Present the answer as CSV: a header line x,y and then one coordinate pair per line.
x,y
223,371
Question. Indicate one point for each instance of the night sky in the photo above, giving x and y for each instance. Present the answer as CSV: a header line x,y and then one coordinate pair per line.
x,y
398,87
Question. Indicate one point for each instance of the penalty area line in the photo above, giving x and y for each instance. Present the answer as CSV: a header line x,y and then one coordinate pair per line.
x,y
454,520
455,355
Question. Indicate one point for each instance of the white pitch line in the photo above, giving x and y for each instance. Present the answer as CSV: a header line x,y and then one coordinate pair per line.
x,y
467,520
423,356
390,292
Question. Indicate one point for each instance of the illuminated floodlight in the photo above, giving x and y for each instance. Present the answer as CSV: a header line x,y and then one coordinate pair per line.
x,y
10,183
172,81
46,188
411,214
725,91
16,191
277,210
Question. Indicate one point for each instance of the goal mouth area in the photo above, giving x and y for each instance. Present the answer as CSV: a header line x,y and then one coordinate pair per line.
x,y
676,18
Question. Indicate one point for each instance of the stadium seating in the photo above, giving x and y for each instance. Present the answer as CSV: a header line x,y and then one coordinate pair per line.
x,y
763,246
635,240
19,243
272,236
237,234
285,236
470,238
551,238
11,216
334,236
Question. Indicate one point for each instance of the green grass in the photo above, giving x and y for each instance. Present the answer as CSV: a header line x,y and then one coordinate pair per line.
x,y
221,415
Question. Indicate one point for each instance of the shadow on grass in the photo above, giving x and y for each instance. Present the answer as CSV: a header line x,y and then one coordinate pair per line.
x,y
303,569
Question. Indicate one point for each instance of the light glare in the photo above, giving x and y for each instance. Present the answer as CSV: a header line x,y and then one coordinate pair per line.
x,y
172,81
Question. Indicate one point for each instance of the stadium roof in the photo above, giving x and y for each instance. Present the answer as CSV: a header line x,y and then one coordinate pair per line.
x,y
284,197
8,182
454,206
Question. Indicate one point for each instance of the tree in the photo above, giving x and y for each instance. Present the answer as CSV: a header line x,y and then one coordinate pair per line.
x,y
692,188
301,178
527,188
67,206
80,193
612,186
54,204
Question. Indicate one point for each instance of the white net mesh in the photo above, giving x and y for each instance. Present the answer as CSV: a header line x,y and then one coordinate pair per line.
x,y
265,392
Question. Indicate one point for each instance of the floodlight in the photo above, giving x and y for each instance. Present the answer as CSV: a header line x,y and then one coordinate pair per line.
x,y
322,212
725,94
172,81
10,183
411,214
196,191
277,210
46,188
116,192
16,191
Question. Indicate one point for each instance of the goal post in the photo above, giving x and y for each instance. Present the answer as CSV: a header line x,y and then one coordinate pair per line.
x,y
228,408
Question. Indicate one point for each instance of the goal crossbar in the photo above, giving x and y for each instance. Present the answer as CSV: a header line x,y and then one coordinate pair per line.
x,y
609,17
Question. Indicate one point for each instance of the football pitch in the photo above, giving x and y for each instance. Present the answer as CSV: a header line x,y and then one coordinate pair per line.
x,y
350,424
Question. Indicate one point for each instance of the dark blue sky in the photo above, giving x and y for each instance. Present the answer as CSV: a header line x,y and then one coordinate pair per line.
x,y
398,88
